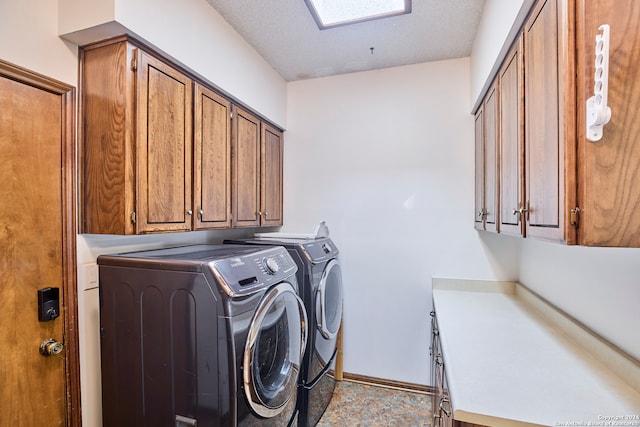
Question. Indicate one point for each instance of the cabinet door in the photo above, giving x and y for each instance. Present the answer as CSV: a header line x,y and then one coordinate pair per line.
x,y
609,203
211,160
106,139
548,120
271,176
490,159
511,129
479,173
246,169
486,141
163,147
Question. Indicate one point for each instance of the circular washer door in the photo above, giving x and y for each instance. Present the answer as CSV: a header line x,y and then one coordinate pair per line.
x,y
329,300
274,349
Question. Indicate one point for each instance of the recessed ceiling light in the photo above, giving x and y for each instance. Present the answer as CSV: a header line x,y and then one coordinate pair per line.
x,y
333,13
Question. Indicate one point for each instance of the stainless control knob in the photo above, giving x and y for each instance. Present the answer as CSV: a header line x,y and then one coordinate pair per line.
x,y
51,347
271,265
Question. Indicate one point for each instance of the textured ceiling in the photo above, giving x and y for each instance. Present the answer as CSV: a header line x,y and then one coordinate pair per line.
x,y
285,34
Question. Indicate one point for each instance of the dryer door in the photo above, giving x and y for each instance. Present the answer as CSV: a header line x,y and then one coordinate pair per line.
x,y
274,349
329,300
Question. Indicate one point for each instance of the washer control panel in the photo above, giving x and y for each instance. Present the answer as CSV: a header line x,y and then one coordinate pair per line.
x,y
265,267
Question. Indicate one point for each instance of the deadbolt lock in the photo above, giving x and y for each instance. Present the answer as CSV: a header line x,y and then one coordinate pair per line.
x,y
51,347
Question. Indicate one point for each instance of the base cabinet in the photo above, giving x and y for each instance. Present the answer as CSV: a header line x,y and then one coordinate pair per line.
x,y
441,403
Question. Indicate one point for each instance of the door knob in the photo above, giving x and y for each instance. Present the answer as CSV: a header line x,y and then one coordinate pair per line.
x,y
51,347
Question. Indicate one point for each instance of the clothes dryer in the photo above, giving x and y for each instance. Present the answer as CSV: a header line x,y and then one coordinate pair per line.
x,y
201,335
320,280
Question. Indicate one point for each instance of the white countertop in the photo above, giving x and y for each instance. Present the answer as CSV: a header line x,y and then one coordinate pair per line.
x,y
506,365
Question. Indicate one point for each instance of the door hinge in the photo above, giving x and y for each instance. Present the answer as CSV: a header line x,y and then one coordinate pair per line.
x,y
574,217
134,64
133,217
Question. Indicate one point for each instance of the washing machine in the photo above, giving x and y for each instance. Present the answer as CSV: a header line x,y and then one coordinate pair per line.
x,y
320,280
202,335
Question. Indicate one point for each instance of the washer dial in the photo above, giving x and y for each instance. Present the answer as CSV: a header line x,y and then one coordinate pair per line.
x,y
271,265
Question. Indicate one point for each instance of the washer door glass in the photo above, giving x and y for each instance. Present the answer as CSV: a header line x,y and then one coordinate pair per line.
x,y
274,349
329,300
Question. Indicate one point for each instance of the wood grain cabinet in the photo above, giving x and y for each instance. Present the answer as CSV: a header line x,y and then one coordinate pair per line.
x,y
486,122
534,119
511,149
160,151
212,183
609,169
135,142
549,104
257,167
561,186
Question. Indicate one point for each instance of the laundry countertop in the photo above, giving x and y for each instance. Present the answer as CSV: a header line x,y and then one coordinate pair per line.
x,y
509,364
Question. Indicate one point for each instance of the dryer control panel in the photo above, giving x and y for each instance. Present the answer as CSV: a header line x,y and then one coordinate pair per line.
x,y
320,250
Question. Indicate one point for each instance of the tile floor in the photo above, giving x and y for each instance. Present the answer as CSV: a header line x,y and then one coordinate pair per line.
x,y
355,404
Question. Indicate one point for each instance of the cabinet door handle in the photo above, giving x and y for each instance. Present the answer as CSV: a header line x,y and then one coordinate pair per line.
x,y
189,212
520,211
201,213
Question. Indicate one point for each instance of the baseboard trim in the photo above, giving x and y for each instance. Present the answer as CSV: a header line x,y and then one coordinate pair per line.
x,y
381,382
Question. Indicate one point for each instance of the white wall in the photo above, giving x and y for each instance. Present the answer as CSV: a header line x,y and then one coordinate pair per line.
x,y
495,25
600,287
192,32
386,158
597,286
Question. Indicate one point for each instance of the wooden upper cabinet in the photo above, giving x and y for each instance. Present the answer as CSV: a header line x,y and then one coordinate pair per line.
x,y
271,176
136,139
490,159
107,139
257,171
160,151
609,172
479,172
571,190
246,169
486,142
549,121
211,160
511,156
163,147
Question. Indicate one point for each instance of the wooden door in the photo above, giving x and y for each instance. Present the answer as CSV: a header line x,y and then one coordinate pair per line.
x,y
511,137
246,169
271,176
542,134
37,241
164,141
491,138
479,172
212,160
609,172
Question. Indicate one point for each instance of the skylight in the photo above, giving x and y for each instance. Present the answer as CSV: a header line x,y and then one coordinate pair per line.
x,y
333,13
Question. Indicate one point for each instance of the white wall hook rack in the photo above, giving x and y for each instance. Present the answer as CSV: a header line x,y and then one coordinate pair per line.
x,y
598,113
